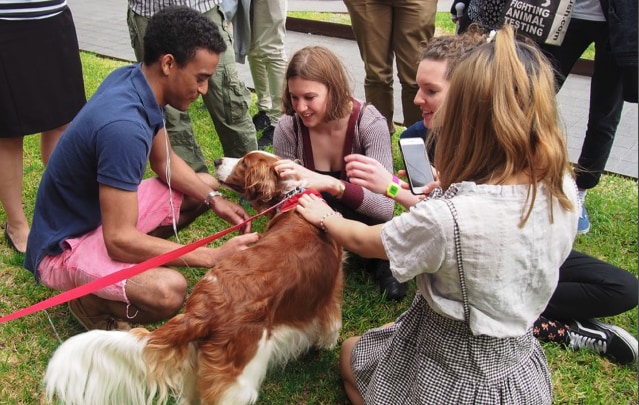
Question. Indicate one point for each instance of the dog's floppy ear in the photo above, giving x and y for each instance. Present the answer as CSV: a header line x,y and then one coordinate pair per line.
x,y
262,182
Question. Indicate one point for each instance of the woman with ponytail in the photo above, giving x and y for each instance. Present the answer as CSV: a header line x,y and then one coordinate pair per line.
x,y
485,253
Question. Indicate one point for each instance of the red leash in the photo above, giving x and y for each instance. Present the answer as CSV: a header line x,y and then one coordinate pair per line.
x,y
127,273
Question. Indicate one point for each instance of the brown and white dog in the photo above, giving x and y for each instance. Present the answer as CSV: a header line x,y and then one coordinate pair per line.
x,y
259,307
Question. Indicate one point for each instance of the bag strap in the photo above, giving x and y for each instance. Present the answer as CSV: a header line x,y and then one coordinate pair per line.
x,y
458,255
348,140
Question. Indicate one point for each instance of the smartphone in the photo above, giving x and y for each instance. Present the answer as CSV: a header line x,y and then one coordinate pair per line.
x,y
417,164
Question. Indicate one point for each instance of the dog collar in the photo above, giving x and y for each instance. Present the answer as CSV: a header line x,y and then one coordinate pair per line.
x,y
293,197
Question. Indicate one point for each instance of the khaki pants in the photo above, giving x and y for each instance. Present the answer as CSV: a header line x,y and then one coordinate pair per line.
x,y
387,28
267,56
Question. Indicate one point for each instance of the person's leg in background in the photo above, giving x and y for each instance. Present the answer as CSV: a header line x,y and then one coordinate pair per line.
x,y
372,25
606,100
228,99
178,127
35,97
604,114
177,123
413,25
16,229
589,288
11,182
267,62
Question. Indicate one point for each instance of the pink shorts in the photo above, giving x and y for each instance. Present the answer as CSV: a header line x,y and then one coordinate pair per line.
x,y
86,258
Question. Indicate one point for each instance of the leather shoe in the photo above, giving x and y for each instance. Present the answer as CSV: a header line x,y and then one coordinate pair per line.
x,y
393,289
10,241
261,120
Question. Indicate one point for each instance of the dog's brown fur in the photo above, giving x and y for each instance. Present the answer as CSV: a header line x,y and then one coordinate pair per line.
x,y
283,293
291,277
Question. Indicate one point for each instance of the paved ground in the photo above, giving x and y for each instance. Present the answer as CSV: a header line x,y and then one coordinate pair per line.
x,y
101,26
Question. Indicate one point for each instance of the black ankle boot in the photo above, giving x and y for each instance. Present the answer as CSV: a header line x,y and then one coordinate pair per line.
x,y
393,289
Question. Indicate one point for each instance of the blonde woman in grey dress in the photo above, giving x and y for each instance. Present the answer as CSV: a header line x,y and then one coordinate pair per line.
x,y
485,254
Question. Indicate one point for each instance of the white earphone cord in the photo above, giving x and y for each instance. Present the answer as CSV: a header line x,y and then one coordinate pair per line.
x,y
168,181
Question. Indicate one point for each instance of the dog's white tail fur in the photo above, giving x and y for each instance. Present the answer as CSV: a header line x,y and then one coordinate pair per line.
x,y
106,367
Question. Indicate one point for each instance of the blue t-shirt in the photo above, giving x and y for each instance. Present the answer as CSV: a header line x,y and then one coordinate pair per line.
x,y
417,130
108,142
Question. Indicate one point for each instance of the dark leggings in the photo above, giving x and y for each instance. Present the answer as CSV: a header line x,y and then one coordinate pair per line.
x,y
606,93
587,288
591,288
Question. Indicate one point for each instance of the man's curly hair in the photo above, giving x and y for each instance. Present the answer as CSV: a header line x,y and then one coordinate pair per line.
x,y
180,31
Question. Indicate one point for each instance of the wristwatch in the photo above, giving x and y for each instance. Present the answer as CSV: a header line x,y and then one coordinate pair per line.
x,y
393,188
209,198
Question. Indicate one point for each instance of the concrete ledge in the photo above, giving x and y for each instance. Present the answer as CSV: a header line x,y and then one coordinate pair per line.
x,y
583,67
328,29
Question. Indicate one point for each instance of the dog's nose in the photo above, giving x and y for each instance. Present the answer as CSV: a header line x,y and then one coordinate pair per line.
x,y
218,162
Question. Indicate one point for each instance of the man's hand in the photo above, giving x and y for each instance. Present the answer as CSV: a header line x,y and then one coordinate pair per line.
x,y
233,245
237,243
231,212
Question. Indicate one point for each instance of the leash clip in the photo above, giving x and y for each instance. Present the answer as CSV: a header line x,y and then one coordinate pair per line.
x,y
294,191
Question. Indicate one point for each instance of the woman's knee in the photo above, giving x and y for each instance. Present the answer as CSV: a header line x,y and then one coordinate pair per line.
x,y
348,378
345,357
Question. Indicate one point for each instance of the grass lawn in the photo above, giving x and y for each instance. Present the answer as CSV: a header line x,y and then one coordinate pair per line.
x,y
27,343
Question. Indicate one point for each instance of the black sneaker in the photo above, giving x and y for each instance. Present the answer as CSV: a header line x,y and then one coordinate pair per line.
x,y
261,120
267,137
608,340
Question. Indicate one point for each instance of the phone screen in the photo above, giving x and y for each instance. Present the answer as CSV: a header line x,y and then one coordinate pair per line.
x,y
417,165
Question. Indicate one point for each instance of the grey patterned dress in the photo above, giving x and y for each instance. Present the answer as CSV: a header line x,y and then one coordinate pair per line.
x,y
430,358
419,369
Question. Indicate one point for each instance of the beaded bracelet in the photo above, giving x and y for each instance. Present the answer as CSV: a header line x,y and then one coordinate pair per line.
x,y
330,214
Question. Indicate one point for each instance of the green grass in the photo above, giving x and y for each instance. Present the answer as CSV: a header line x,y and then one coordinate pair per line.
x,y
26,344
443,24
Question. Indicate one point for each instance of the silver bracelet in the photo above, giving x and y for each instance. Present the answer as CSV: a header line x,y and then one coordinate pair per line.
x,y
330,214
209,198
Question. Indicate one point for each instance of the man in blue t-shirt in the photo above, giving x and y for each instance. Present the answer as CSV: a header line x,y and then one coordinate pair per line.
x,y
94,213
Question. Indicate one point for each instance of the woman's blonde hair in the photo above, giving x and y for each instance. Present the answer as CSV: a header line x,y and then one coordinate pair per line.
x,y
319,64
500,119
